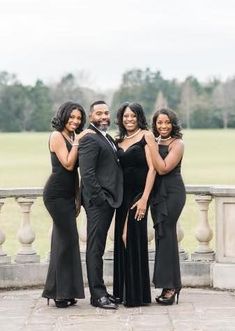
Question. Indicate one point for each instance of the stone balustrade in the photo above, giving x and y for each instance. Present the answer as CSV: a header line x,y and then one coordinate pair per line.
x,y
203,267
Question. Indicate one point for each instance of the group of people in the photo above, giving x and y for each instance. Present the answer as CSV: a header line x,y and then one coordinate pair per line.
x,y
137,171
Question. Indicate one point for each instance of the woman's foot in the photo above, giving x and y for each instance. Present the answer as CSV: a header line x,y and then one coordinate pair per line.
x,y
162,294
71,301
64,303
168,296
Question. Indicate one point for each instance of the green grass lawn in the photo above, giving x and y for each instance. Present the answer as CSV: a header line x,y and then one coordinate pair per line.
x,y
25,162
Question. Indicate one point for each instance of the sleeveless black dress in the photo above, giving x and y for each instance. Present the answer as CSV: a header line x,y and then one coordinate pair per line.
x,y
64,278
167,202
131,281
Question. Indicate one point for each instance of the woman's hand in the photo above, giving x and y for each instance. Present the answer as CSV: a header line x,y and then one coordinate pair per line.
x,y
149,137
141,206
82,134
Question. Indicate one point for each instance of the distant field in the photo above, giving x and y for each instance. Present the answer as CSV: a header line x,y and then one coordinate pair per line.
x,y
25,162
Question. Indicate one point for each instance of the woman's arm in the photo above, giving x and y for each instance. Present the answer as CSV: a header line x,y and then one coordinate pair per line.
x,y
163,166
58,146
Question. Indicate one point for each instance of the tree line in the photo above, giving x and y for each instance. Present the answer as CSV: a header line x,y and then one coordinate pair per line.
x,y
199,105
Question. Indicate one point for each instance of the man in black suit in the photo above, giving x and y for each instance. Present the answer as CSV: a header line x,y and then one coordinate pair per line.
x,y
102,191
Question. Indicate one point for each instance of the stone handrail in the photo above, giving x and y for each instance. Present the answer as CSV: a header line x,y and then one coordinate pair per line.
x,y
223,197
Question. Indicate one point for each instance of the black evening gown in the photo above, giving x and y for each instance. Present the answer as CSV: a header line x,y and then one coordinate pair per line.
x,y
167,202
64,277
131,281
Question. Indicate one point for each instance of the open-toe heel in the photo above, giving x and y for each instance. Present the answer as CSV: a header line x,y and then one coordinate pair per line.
x,y
62,303
162,294
72,301
169,299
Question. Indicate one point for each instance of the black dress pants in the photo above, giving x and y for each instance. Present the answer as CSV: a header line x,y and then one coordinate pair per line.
x,y
99,219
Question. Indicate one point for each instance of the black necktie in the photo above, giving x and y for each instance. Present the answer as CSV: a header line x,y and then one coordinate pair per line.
x,y
111,142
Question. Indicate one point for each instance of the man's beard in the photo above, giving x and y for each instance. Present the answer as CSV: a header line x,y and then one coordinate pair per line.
x,y
101,127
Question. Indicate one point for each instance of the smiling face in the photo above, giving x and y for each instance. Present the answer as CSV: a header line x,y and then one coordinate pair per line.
x,y
74,121
130,121
100,117
163,125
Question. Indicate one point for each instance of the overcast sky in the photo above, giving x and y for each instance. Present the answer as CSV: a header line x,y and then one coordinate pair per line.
x,y
104,38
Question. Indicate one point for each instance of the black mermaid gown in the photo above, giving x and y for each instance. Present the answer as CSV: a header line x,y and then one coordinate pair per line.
x,y
64,277
131,281
167,202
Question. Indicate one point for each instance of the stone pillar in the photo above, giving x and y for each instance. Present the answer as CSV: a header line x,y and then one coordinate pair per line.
x,y
4,259
204,232
224,268
26,235
180,235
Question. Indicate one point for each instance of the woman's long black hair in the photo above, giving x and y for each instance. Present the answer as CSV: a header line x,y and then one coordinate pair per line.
x,y
139,112
61,118
176,127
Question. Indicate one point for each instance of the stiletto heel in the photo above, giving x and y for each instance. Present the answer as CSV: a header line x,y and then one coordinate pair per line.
x,y
177,295
48,301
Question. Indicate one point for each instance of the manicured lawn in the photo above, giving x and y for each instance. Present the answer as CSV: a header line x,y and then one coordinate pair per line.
x,y
25,162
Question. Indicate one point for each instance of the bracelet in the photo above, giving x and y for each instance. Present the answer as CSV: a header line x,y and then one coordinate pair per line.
x,y
75,144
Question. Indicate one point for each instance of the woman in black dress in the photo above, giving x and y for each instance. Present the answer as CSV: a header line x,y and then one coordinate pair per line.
x,y
131,271
167,202
64,280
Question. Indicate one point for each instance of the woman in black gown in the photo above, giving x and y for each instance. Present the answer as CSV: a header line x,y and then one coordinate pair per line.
x,y
167,202
131,271
64,280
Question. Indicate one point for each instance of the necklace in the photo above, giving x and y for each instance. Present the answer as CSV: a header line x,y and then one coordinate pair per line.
x,y
132,135
67,137
159,139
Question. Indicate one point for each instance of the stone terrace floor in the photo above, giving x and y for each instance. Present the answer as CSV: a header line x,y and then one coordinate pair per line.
x,y
198,309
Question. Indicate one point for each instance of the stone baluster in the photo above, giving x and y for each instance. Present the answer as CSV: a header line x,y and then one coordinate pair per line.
x,y
110,241
4,259
26,234
47,259
180,235
151,238
82,230
203,232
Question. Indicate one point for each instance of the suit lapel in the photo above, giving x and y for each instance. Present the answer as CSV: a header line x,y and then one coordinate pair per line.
x,y
105,140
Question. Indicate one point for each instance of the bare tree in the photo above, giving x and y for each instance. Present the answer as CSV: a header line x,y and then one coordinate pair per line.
x,y
161,101
224,99
188,101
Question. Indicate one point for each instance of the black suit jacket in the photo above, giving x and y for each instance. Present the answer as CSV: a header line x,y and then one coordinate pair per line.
x,y
101,173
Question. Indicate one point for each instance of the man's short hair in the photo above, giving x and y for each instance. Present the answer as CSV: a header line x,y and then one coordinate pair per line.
x,y
98,102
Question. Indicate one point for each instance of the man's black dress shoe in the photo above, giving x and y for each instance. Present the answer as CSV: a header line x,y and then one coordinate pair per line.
x,y
104,303
114,299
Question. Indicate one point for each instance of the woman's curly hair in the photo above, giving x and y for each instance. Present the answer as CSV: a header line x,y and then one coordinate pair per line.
x,y
62,115
176,127
139,112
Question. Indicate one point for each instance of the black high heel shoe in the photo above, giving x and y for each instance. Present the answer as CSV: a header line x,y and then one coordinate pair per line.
x,y
162,294
167,300
62,303
71,302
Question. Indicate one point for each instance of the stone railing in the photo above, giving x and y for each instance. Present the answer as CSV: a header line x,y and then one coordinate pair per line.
x,y
203,267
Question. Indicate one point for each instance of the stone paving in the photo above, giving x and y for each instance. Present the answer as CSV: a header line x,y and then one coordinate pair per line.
x,y
198,309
